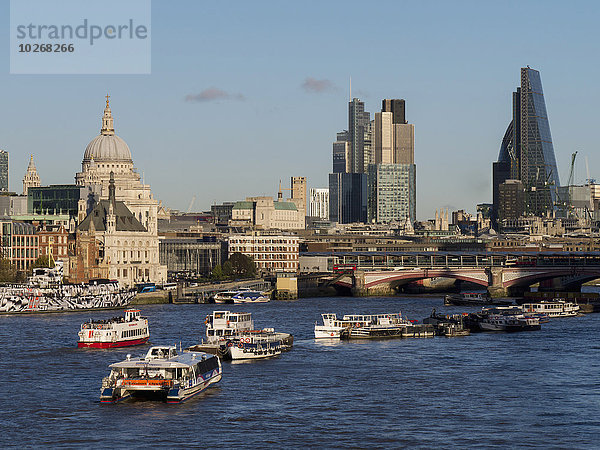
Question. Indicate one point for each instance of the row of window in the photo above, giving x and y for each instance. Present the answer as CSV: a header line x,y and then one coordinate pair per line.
x,y
134,332
59,239
25,241
123,272
262,241
277,265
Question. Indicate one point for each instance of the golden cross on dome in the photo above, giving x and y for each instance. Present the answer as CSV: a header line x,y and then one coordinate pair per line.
x,y
107,97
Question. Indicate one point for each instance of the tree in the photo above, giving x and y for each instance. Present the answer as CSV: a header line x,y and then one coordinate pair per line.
x,y
7,271
43,261
217,273
242,265
227,270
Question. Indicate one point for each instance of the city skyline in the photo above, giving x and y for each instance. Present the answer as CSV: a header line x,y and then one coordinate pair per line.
x,y
292,98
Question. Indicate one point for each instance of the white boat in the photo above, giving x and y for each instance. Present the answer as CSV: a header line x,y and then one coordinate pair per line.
x,y
554,308
227,296
161,374
231,335
45,292
509,322
132,329
250,297
256,344
360,325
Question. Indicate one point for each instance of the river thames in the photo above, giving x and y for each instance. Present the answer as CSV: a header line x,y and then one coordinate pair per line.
x,y
493,390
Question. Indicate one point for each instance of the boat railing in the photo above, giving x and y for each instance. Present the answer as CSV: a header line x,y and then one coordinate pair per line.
x,y
141,382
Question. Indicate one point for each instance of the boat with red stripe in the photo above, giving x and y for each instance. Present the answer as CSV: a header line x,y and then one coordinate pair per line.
x,y
132,329
162,374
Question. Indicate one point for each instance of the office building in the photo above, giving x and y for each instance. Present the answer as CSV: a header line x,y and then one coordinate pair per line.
x,y
392,193
319,203
341,157
526,152
511,200
3,171
358,123
270,253
347,197
392,177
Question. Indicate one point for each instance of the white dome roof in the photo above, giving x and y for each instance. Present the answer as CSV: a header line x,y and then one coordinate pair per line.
x,y
107,148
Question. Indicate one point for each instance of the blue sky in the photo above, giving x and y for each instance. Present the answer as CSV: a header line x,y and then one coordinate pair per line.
x,y
455,63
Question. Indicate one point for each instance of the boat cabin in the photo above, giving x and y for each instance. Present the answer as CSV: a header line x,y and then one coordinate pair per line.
x,y
221,325
131,315
161,352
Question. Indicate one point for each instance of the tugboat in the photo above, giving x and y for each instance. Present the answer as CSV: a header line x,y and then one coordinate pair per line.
x,y
162,374
231,335
116,332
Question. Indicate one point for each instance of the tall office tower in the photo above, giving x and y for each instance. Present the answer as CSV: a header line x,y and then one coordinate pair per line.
x,y
392,179
368,145
319,203
384,138
3,170
392,193
347,197
298,189
396,107
31,178
526,151
341,156
358,122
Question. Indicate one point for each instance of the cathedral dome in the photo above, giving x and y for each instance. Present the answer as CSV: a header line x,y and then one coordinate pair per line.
x,y
107,147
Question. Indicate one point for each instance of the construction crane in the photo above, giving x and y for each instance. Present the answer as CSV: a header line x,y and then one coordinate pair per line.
x,y
191,205
572,171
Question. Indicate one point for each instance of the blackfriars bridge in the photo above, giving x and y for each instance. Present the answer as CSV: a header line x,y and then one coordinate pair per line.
x,y
502,273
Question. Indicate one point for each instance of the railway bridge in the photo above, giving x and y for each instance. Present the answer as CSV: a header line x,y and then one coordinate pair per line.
x,y
501,273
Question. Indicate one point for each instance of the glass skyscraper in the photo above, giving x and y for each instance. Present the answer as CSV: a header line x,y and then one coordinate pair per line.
x,y
526,152
392,193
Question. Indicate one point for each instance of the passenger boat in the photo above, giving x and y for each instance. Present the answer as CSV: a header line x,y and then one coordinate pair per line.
x,y
45,292
256,344
225,296
473,299
132,329
361,326
162,374
231,335
250,297
555,308
509,322
502,319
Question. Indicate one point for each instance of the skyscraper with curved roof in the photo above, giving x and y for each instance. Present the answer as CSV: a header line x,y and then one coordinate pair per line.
x,y
526,152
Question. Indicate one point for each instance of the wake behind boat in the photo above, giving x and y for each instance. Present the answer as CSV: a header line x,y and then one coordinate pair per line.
x,y
162,374
132,329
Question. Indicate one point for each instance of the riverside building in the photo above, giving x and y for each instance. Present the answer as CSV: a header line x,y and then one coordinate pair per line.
x,y
277,253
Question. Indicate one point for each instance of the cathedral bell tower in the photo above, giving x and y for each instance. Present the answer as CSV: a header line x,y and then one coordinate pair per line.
x,y
108,128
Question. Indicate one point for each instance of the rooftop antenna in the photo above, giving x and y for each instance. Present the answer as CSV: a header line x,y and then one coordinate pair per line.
x,y
350,88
